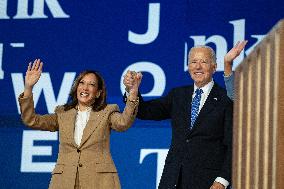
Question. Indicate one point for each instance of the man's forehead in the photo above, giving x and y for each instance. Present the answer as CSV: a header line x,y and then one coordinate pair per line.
x,y
200,52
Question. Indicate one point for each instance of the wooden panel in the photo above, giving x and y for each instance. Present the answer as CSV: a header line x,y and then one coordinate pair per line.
x,y
258,141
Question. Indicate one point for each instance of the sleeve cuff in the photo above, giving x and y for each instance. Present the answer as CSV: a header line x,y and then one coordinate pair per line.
x,y
21,96
222,181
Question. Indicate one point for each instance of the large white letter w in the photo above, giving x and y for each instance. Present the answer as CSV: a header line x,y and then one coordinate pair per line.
x,y
44,84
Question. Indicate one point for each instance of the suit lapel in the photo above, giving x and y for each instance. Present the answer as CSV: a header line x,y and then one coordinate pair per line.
x,y
209,105
69,125
92,124
188,100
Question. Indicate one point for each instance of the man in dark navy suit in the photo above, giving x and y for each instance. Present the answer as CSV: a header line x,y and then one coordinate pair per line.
x,y
200,155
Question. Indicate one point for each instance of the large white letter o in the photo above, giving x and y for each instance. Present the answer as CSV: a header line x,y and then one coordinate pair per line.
x,y
155,70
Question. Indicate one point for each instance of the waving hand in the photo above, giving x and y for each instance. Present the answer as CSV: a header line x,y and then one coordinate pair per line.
x,y
32,76
231,55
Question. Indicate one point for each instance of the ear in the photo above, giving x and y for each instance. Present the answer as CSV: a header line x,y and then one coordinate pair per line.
x,y
214,68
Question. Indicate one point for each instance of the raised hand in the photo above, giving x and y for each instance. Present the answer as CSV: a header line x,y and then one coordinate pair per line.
x,y
128,80
136,83
231,55
235,51
132,82
32,76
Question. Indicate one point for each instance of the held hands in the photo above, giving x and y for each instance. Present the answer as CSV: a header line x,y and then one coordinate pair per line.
x,y
32,76
217,185
231,55
132,82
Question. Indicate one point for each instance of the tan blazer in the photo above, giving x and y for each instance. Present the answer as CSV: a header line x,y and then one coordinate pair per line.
x,y
92,158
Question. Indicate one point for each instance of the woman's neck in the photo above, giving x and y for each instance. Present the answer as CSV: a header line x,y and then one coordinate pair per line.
x,y
83,108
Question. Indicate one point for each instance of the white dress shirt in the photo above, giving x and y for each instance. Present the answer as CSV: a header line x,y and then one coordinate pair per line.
x,y
206,90
82,118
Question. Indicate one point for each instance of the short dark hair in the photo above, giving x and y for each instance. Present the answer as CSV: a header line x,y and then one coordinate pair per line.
x,y
99,103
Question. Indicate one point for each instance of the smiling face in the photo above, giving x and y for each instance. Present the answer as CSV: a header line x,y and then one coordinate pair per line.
x,y
87,91
201,65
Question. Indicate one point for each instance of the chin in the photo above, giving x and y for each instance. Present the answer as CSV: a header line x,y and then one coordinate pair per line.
x,y
199,81
84,102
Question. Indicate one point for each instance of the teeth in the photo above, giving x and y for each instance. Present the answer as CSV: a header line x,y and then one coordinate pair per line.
x,y
84,94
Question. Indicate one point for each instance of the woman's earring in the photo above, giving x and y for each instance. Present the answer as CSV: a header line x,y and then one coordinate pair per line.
x,y
98,95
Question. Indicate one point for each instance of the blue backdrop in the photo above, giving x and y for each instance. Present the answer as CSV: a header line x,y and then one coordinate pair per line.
x,y
111,37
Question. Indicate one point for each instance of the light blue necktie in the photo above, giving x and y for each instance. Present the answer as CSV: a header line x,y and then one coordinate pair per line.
x,y
195,106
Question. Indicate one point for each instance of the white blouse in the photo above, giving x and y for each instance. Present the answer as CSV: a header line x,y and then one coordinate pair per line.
x,y
82,118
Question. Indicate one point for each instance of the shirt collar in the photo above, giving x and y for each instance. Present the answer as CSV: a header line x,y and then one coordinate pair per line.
x,y
206,88
85,111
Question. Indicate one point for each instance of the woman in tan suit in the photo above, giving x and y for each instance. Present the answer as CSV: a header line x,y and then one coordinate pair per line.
x,y
84,125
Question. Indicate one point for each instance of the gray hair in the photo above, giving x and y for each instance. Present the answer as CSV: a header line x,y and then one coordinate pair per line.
x,y
212,52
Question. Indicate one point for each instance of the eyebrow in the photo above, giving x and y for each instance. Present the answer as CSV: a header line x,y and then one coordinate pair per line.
x,y
205,60
93,82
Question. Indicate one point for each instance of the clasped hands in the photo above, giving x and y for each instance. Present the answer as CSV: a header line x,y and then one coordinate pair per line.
x,y
132,82
217,185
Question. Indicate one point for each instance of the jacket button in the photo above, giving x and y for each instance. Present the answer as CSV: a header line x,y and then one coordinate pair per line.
x,y
187,141
78,150
80,165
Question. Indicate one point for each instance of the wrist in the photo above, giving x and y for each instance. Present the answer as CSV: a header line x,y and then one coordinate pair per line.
x,y
134,101
228,62
27,87
132,97
133,92
228,68
228,73
132,104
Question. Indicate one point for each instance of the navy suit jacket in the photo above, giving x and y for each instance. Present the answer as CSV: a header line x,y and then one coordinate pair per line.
x,y
203,153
